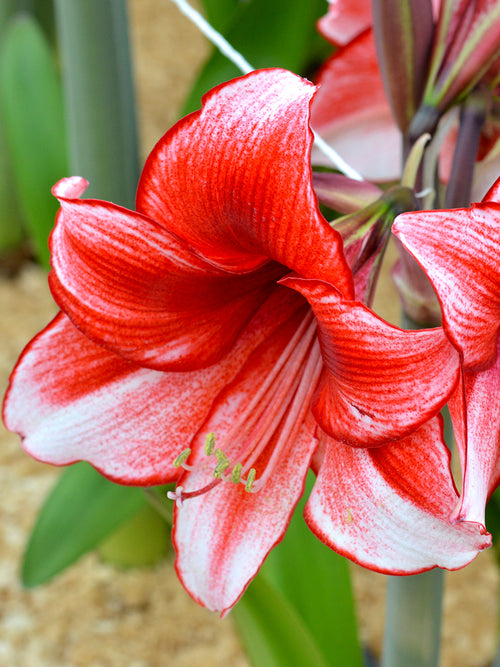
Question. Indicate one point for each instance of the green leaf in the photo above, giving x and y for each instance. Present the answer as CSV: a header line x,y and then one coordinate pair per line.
x,y
493,521
271,630
316,580
11,224
144,539
99,97
82,509
32,112
269,33
220,13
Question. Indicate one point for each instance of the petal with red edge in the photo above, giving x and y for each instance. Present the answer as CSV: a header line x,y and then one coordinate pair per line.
x,y
350,111
345,20
72,400
476,422
381,382
388,508
459,251
223,536
234,180
129,285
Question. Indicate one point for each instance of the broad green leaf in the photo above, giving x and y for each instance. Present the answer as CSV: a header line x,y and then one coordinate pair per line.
x,y
272,632
99,97
316,580
269,33
32,112
11,229
82,510
144,539
220,13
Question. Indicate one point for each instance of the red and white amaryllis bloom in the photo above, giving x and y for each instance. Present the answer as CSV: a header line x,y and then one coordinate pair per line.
x,y
224,306
460,251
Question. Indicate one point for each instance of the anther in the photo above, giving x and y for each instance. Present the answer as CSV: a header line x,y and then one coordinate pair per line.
x,y
210,444
221,467
236,473
182,458
250,479
220,456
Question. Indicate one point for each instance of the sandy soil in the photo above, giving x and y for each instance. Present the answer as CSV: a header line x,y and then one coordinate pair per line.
x,y
94,615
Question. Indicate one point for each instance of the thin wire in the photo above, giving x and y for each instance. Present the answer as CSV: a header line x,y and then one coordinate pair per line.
x,y
244,66
215,37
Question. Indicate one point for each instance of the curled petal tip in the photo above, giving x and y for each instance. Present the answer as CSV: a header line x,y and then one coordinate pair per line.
x,y
71,187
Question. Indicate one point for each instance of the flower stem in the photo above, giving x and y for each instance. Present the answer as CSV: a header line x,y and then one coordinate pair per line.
x,y
413,620
414,604
472,117
99,96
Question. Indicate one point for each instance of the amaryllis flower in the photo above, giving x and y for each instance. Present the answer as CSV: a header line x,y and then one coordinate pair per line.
x,y
460,251
179,356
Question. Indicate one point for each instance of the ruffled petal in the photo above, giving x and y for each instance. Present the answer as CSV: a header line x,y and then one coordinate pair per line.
x,y
459,251
72,400
223,536
234,180
388,508
381,382
351,112
131,286
476,422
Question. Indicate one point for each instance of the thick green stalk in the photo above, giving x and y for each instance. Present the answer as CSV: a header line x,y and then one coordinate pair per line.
x,y
99,96
412,635
413,620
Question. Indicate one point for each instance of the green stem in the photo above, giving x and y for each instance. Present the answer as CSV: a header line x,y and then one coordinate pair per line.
x,y
99,96
414,603
413,620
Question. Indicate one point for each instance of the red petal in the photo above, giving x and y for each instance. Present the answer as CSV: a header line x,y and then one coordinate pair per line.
x,y
390,506
459,251
351,112
345,20
476,424
131,286
381,382
223,536
234,180
72,400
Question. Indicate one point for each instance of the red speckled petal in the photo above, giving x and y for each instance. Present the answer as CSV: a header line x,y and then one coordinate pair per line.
x,y
234,180
223,536
136,289
381,382
388,508
72,400
478,439
459,251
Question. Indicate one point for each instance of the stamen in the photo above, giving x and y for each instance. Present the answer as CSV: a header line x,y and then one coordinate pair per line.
x,y
182,458
176,495
210,444
250,479
236,473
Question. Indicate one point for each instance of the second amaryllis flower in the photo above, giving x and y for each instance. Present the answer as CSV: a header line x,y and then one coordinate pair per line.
x,y
174,326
